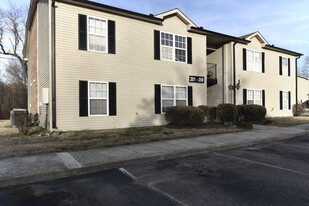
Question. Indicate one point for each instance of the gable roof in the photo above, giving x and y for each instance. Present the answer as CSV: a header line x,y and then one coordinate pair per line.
x,y
178,13
256,34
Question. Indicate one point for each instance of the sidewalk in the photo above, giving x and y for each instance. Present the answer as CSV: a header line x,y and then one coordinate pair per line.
x,y
21,170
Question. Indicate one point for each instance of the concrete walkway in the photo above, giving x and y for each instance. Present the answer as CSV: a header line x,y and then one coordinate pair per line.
x,y
20,170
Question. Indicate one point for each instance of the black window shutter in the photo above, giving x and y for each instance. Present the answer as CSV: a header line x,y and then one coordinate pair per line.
x,y
281,102
83,98
244,58
190,96
263,98
263,62
156,44
289,71
289,100
82,32
157,99
244,93
111,37
112,98
189,40
280,65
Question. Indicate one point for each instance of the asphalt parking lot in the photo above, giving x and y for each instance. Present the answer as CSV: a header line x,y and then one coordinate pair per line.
x,y
275,173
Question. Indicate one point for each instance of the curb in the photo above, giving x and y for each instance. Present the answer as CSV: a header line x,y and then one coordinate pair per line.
x,y
14,181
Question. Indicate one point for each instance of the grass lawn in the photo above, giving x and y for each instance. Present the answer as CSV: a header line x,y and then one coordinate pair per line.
x,y
287,121
39,142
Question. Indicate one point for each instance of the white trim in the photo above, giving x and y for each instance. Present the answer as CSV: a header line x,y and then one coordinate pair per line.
x,y
175,93
88,42
174,47
254,99
107,99
254,62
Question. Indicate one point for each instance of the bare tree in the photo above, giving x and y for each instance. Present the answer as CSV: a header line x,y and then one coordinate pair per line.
x,y
304,71
12,32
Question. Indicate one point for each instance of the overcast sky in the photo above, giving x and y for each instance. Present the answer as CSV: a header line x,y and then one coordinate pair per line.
x,y
284,23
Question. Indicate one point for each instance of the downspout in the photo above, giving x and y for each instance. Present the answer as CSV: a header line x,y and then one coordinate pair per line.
x,y
53,34
223,68
234,85
296,93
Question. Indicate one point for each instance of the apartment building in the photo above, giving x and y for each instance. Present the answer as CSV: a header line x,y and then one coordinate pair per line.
x,y
93,66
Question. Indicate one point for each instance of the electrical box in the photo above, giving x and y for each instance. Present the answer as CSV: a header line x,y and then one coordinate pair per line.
x,y
45,96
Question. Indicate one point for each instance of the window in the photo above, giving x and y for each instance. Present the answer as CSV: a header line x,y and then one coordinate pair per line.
x,y
254,96
285,66
173,47
98,103
285,99
173,96
97,34
254,61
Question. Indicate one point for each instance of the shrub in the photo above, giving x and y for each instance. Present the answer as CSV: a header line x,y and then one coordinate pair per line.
x,y
212,113
225,112
244,125
240,110
298,109
184,115
205,109
253,113
22,121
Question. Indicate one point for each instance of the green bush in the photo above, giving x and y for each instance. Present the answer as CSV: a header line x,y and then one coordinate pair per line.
x,y
252,113
225,112
184,115
205,109
212,113
244,125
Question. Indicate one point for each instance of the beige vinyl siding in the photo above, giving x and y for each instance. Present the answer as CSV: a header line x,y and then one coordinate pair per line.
x,y
270,81
215,93
303,89
43,57
133,68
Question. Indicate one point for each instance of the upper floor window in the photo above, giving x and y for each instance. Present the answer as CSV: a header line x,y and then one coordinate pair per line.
x,y
254,61
254,96
173,96
285,66
173,47
97,34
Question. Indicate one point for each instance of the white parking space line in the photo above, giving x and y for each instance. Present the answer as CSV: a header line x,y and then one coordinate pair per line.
x,y
126,172
293,145
260,163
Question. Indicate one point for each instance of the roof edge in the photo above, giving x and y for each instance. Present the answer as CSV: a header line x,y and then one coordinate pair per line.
x,y
285,51
114,10
201,30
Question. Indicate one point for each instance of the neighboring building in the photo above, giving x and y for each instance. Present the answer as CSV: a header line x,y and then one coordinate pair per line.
x,y
93,66
303,89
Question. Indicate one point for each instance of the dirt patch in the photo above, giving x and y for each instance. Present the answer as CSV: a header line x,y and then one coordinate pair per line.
x,y
287,121
6,128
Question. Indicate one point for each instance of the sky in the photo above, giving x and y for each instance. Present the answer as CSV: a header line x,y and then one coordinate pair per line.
x,y
284,23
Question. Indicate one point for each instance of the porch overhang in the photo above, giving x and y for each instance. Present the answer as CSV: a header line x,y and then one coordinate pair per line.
x,y
216,40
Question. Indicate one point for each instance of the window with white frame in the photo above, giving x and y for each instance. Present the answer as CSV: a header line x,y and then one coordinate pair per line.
x,y
97,34
285,66
98,103
173,96
254,61
254,96
285,100
173,47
